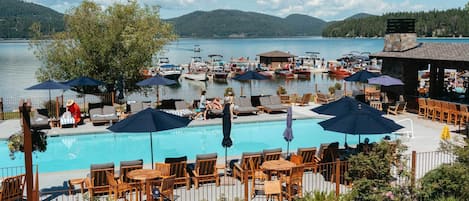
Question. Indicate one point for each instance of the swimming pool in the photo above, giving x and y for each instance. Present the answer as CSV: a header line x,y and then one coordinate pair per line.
x,y
79,151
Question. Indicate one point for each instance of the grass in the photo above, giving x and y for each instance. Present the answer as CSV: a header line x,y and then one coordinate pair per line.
x,y
10,115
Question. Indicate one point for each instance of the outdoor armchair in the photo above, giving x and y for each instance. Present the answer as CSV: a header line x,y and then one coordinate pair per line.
x,y
304,100
239,169
324,98
12,188
399,108
118,190
97,182
205,169
126,167
179,169
271,154
309,158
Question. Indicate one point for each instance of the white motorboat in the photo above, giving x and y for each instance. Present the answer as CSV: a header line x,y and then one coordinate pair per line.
x,y
197,70
167,69
218,67
312,62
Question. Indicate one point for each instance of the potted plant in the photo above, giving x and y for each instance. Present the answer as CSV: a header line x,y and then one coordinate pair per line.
x,y
281,90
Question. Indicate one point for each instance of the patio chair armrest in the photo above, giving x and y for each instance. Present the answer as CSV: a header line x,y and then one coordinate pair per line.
x,y
88,182
237,167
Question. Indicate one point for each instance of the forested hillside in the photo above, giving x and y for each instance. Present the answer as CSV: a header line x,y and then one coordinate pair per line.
x,y
449,23
17,16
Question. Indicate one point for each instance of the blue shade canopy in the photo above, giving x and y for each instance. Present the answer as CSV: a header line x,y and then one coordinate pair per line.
x,y
226,122
250,75
156,80
149,120
343,106
361,76
385,80
84,81
360,122
48,85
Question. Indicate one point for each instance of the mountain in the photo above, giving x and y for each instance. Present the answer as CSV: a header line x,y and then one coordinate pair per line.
x,y
360,15
235,23
17,16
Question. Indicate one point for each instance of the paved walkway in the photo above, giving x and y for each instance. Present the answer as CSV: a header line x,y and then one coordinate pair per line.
x,y
425,135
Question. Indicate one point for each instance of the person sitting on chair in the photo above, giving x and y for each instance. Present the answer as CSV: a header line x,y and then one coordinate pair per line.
x,y
74,109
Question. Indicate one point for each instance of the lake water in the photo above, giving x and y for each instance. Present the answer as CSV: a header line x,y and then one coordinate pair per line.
x,y
18,65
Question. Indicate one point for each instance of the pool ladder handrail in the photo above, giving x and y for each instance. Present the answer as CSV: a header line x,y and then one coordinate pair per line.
x,y
408,133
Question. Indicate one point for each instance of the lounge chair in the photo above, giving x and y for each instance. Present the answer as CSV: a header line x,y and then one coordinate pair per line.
x,y
239,169
309,158
179,169
324,98
12,188
305,99
205,169
39,120
126,167
399,108
97,182
272,104
106,114
271,154
243,106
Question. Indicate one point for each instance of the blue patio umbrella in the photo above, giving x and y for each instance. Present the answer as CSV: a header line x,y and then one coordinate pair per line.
x,y
360,122
250,75
83,81
156,80
361,76
343,106
226,123
288,132
49,85
149,120
385,80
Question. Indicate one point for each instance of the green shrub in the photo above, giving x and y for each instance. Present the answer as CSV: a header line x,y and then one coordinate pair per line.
x,y
281,90
16,142
228,90
445,181
319,196
338,86
332,90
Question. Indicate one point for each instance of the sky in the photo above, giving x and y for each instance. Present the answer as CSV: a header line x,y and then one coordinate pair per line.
x,y
324,9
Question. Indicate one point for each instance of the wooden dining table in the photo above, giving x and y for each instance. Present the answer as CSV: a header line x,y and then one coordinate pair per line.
x,y
281,165
145,176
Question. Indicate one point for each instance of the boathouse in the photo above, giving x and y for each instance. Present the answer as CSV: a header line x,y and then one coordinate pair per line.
x,y
276,58
403,57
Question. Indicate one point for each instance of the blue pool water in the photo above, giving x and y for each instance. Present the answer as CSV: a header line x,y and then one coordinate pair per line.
x,y
79,151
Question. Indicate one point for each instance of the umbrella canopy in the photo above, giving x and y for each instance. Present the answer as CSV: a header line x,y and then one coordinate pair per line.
x,y
360,122
250,75
288,133
226,121
361,76
84,81
49,85
343,106
385,80
149,120
156,80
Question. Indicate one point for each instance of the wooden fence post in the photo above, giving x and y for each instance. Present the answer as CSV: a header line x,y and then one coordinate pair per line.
x,y
246,185
113,95
413,168
25,109
2,117
57,108
337,178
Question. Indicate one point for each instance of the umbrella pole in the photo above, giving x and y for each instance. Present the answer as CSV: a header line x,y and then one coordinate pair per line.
x,y
157,95
151,149
288,147
226,158
250,87
50,104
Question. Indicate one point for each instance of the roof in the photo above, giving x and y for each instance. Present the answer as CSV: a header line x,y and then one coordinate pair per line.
x,y
276,53
432,51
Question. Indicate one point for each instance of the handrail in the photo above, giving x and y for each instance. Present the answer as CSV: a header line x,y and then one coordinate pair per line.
x,y
410,134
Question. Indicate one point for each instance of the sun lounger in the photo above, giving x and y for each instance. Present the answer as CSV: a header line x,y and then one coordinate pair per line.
x,y
324,98
205,169
399,108
272,104
305,99
39,120
182,109
106,114
243,106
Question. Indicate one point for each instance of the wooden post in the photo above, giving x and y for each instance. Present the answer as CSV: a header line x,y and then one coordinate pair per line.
x,y
2,117
337,178
25,109
246,185
57,108
413,168
113,94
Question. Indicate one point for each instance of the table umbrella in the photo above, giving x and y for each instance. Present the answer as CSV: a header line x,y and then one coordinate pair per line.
x,y
343,106
83,81
288,133
226,122
49,85
149,120
156,80
250,75
361,76
385,80
359,122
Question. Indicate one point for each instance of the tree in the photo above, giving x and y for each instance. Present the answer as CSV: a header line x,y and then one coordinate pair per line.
x,y
104,44
467,6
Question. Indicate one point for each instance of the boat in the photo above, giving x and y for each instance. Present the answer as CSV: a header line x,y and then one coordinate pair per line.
x,y
197,70
311,61
217,66
240,65
302,72
168,70
196,48
285,72
336,69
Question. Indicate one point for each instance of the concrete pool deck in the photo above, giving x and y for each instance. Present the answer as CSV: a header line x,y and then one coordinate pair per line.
x,y
426,136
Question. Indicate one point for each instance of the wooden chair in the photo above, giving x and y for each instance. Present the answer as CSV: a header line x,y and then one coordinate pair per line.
x,y
126,167
430,109
463,114
12,188
273,188
296,159
294,182
377,105
305,99
258,177
423,108
436,110
310,160
240,168
444,111
453,114
178,168
118,190
205,169
164,168
324,98
97,183
285,99
271,154
167,188
399,108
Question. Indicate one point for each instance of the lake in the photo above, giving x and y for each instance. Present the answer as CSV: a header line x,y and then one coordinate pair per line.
x,y
18,65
